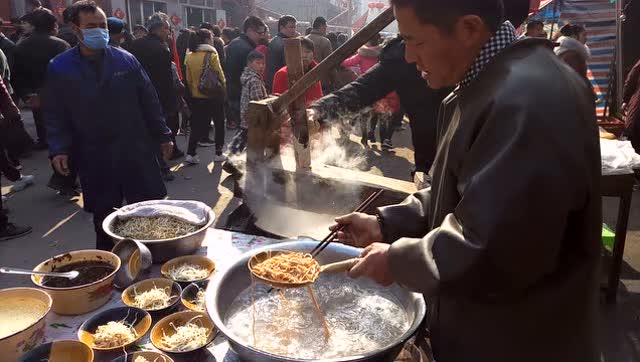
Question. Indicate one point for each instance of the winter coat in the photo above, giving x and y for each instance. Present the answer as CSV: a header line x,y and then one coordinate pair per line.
x,y
505,244
275,58
237,51
155,57
631,96
111,125
365,58
393,73
281,85
194,62
31,58
322,49
218,43
253,89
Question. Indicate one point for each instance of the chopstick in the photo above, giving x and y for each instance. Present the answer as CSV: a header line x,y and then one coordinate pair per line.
x,y
333,235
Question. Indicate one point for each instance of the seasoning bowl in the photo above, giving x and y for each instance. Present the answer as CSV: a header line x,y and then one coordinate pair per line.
x,y
128,296
135,257
16,344
137,318
197,260
148,355
59,351
83,298
165,249
189,295
165,327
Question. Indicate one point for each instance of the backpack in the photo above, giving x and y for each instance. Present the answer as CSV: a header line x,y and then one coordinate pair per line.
x,y
209,83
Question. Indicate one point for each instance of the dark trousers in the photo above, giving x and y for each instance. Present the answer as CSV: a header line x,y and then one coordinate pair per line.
x,y
41,130
4,220
202,112
173,122
386,130
103,240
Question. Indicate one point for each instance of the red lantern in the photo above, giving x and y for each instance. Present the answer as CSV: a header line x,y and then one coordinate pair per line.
x,y
372,5
175,20
380,6
119,14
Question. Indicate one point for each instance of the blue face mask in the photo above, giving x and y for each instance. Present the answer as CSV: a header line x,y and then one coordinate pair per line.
x,y
95,38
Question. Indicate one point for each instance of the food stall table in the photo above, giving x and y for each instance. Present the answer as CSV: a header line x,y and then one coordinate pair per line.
x,y
620,186
222,247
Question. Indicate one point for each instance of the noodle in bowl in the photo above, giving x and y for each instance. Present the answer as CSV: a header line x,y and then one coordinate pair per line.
x,y
366,321
164,249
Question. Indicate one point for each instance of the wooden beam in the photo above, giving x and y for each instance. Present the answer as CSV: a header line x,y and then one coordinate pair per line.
x,y
333,60
297,109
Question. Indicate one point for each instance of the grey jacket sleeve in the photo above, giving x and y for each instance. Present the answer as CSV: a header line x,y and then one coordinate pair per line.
x,y
516,197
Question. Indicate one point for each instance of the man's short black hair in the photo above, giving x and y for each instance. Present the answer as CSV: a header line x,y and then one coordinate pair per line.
x,y
320,21
158,20
83,6
43,21
253,22
206,25
444,13
306,43
285,20
255,55
534,23
216,31
140,27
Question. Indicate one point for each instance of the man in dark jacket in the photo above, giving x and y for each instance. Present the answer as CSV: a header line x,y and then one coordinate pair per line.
x,y
66,30
104,114
255,32
505,245
275,53
31,57
155,57
392,73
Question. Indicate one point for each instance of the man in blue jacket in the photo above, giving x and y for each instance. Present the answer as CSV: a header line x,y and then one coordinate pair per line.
x,y
102,113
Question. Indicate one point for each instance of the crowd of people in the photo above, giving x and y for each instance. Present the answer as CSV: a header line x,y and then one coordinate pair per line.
x,y
197,81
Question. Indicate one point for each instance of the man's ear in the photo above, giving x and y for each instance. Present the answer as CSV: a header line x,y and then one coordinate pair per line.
x,y
471,30
76,30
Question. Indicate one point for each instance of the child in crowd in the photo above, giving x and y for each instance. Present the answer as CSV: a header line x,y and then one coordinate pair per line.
x,y
253,89
281,79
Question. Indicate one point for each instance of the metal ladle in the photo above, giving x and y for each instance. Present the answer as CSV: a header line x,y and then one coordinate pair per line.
x,y
338,267
69,275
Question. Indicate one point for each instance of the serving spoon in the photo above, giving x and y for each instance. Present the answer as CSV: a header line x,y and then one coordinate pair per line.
x,y
69,275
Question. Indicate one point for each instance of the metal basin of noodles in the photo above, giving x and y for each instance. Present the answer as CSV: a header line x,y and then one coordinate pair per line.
x,y
165,249
228,285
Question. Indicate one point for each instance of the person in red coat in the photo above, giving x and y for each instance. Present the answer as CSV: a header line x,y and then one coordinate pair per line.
x,y
281,79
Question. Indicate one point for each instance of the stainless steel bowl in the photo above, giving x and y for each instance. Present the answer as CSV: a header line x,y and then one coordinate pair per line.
x,y
227,285
163,250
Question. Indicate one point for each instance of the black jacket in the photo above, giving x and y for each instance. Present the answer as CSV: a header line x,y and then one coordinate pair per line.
x,y
156,59
275,59
218,44
505,244
236,60
30,60
393,73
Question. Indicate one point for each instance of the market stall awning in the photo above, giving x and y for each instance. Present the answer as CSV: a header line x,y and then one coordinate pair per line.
x,y
537,5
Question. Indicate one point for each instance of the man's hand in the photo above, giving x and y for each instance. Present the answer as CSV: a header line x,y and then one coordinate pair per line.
x,y
61,164
167,150
374,264
360,230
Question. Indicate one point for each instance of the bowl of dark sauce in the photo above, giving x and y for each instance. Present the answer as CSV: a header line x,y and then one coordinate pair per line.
x,y
90,290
